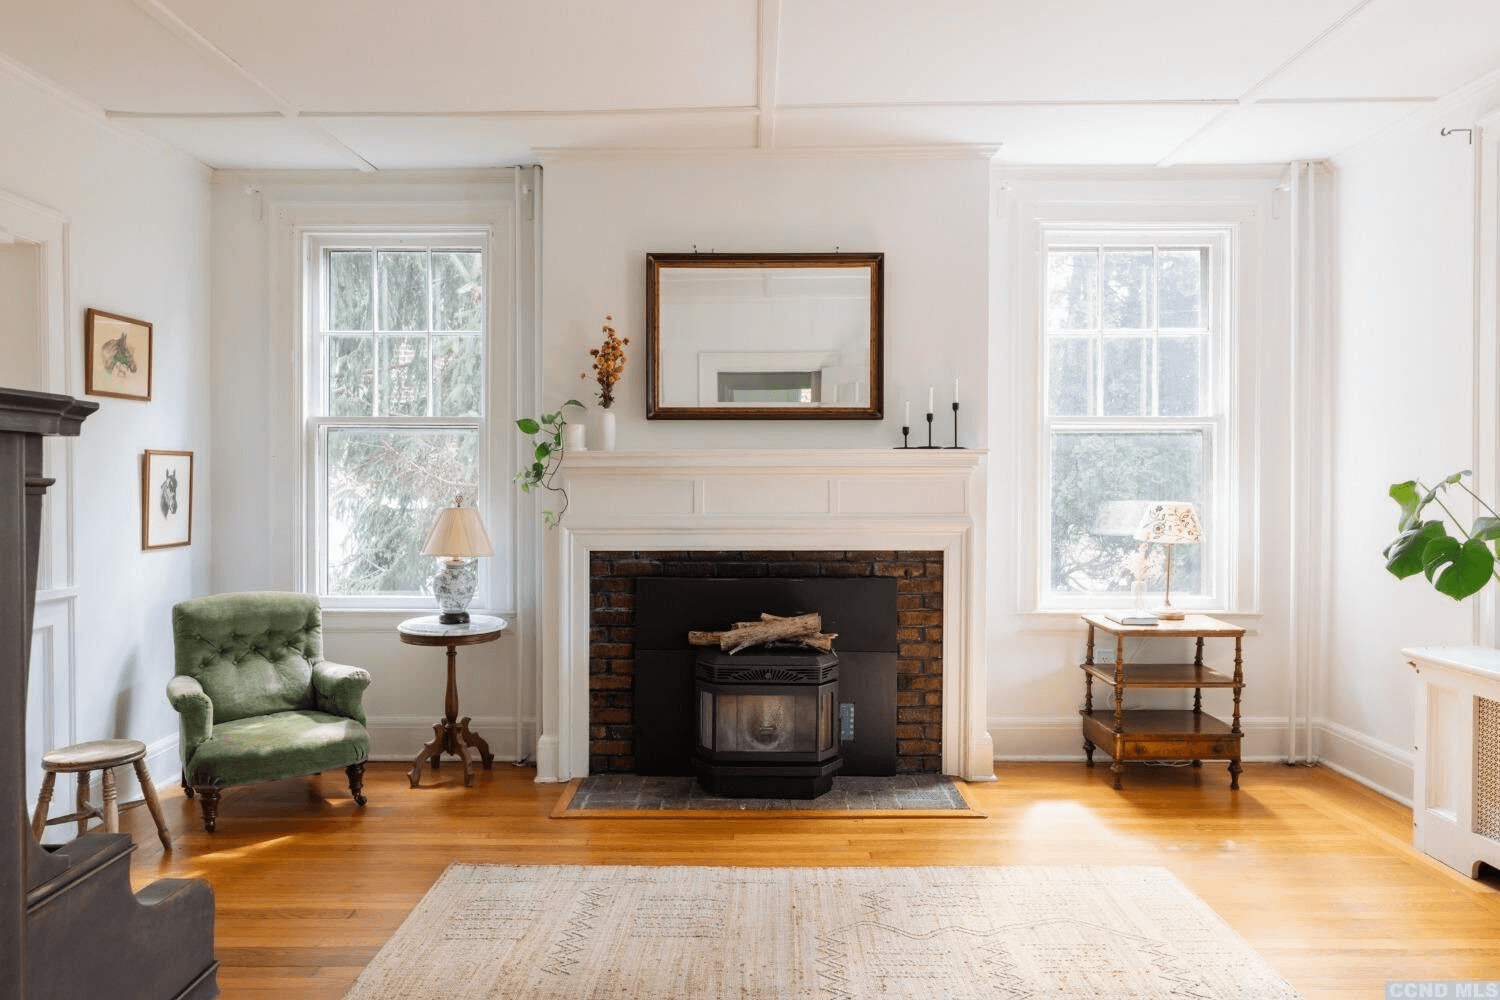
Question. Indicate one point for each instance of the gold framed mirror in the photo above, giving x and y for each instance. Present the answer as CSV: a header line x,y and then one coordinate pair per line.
x,y
764,336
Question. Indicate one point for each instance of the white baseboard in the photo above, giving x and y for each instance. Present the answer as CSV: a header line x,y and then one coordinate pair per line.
x,y
1376,765
1060,738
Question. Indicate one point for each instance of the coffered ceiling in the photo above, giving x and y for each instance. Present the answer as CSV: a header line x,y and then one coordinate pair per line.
x,y
397,84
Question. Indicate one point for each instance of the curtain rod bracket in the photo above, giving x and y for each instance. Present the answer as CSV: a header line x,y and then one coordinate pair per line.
x,y
1467,131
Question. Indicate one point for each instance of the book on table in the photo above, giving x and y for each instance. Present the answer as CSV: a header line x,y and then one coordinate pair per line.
x,y
1131,617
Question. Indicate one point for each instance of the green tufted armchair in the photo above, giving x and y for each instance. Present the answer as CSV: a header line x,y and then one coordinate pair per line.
x,y
256,699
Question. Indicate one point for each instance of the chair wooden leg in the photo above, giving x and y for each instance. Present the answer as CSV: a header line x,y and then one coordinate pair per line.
x,y
187,789
84,809
356,773
152,803
43,803
208,801
111,802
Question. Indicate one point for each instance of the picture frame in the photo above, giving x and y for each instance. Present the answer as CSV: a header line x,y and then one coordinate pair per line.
x,y
117,352
166,499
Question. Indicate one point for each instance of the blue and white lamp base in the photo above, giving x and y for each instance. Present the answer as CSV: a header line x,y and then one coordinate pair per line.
x,y
453,586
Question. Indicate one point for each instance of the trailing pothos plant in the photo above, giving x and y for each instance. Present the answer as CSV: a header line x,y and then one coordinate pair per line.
x,y
546,456
1456,566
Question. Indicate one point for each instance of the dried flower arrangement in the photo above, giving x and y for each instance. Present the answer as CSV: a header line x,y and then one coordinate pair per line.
x,y
609,363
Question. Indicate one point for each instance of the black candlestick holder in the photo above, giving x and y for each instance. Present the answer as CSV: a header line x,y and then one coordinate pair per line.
x,y
905,431
955,446
929,443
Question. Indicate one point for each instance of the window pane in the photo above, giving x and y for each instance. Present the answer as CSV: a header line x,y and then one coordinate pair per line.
x,y
384,489
403,289
351,376
1072,289
350,305
403,376
1093,470
1180,294
1180,376
1127,376
457,366
1127,289
1070,376
458,288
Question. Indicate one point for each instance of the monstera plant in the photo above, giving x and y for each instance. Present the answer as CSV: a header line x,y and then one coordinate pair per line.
x,y
1458,566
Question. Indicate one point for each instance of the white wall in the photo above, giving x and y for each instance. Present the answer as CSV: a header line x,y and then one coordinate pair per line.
x,y
125,228
1404,407
928,216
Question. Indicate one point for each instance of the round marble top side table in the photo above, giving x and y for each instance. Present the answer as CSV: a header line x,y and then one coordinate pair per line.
x,y
452,735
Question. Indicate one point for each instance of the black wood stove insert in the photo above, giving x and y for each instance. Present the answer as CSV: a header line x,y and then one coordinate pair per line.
x,y
767,723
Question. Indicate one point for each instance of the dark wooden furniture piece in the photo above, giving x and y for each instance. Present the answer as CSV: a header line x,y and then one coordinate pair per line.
x,y
1161,734
102,756
452,735
70,927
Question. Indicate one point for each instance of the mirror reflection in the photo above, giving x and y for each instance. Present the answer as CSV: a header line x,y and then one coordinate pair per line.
x,y
764,336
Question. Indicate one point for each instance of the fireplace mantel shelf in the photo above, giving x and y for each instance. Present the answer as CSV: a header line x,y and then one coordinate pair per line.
x,y
769,500
873,459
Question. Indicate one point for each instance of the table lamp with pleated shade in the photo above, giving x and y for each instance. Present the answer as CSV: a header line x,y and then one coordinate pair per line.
x,y
458,536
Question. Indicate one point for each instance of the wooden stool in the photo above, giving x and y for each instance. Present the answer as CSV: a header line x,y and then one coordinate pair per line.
x,y
97,755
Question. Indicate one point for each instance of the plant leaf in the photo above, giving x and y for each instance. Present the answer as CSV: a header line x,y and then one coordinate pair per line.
x,y
1468,566
1485,528
1406,495
573,402
1453,479
542,451
528,426
1403,557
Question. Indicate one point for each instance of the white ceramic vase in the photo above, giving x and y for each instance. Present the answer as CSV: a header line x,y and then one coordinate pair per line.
x,y
607,430
573,437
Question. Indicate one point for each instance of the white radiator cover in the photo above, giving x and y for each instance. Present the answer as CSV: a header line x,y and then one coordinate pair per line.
x,y
818,499
1456,798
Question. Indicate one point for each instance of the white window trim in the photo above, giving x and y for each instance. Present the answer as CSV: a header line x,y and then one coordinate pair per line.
x,y
495,586
1240,458
1216,425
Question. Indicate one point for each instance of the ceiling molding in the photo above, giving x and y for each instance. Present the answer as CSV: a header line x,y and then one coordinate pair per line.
x,y
89,111
931,151
1311,46
529,113
768,51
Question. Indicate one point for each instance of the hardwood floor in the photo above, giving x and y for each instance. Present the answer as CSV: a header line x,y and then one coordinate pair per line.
x,y
1313,870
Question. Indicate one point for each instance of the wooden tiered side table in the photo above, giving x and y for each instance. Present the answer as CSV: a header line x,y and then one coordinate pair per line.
x,y
452,735
1161,734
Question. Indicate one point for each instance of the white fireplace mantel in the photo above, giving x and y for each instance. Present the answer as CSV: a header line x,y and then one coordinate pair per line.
x,y
824,499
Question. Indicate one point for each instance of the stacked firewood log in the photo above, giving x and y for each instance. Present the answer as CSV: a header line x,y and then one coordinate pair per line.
x,y
797,630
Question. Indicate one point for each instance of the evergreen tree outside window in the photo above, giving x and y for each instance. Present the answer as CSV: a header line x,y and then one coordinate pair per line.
x,y
1135,348
397,402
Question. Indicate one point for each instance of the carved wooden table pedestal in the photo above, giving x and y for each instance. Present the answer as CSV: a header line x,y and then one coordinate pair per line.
x,y
452,735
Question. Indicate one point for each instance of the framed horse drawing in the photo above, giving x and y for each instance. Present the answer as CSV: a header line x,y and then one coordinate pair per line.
x,y
117,356
166,499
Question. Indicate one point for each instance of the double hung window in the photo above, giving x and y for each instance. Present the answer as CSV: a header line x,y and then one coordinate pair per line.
x,y
1135,330
397,403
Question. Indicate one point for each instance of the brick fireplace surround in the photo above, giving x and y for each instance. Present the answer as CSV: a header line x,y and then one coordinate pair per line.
x,y
901,509
919,633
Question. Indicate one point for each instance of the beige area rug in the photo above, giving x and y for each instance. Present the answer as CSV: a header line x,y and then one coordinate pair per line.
x,y
635,933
